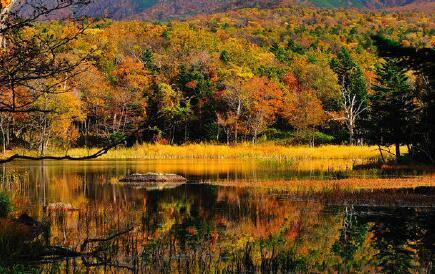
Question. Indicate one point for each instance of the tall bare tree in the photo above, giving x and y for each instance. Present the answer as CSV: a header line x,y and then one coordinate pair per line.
x,y
353,109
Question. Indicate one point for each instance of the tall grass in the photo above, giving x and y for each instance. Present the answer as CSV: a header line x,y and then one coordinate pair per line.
x,y
240,151
349,184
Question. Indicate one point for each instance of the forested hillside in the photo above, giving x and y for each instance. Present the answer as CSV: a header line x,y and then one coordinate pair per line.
x,y
297,75
170,9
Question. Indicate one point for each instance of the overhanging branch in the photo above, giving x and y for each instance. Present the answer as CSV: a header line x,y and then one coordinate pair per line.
x,y
97,154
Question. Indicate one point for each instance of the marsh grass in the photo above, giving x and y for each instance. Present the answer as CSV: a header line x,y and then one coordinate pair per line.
x,y
262,151
216,151
334,185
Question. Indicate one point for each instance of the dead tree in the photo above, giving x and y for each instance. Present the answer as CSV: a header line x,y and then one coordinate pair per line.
x,y
353,109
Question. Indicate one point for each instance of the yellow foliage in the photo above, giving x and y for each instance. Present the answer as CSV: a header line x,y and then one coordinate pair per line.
x,y
4,3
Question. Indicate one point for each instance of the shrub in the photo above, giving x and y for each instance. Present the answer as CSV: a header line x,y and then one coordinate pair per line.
x,y
304,137
19,243
5,205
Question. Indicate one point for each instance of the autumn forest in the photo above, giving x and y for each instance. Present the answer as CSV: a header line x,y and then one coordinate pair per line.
x,y
294,75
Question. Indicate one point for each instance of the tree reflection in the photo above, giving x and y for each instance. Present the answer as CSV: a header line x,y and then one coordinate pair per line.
x,y
405,238
204,228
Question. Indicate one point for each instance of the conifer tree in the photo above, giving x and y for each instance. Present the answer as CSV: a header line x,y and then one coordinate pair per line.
x,y
421,62
392,108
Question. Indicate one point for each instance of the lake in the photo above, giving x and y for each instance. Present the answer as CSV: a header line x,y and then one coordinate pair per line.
x,y
211,224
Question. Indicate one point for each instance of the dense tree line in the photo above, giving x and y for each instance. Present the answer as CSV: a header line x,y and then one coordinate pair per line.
x,y
403,111
296,75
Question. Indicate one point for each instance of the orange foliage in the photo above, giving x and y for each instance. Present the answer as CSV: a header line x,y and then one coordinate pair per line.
x,y
132,74
4,3
302,108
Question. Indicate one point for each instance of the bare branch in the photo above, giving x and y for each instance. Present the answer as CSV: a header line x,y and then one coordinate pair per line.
x,y
88,241
66,157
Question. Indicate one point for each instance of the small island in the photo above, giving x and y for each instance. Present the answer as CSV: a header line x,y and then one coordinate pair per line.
x,y
153,178
153,181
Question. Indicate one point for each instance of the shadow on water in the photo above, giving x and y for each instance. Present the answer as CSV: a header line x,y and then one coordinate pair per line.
x,y
205,228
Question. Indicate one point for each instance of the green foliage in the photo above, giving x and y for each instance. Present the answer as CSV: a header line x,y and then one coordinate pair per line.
x,y
420,62
280,53
5,205
312,59
116,137
352,237
292,46
271,72
302,137
193,82
148,60
392,108
350,75
225,57
165,34
311,137
18,269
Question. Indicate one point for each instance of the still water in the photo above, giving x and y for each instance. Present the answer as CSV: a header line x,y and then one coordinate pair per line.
x,y
202,227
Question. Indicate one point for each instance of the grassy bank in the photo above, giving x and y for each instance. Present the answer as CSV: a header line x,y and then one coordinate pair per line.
x,y
241,151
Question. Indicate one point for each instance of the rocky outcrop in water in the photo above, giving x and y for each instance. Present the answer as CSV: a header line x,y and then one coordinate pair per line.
x,y
60,207
153,181
153,178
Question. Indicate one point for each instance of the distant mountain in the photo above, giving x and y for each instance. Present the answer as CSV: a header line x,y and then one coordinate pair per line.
x,y
169,9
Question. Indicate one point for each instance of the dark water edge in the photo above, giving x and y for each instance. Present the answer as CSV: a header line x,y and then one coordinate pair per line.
x,y
200,228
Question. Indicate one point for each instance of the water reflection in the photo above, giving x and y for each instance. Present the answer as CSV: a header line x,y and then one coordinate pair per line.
x,y
216,169
204,228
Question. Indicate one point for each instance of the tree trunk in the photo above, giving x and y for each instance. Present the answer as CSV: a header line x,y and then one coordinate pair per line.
x,y
235,134
382,155
351,134
218,133
3,135
42,141
397,152
44,129
173,135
